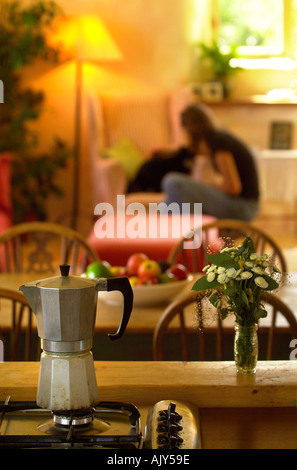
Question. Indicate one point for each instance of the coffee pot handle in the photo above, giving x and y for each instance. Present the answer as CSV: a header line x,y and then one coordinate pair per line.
x,y
123,285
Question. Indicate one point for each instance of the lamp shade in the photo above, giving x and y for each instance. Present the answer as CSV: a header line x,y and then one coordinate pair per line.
x,y
85,38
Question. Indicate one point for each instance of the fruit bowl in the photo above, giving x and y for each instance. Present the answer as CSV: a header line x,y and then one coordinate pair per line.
x,y
148,295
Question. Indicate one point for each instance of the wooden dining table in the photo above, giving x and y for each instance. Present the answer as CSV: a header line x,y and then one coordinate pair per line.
x,y
142,320
138,334
235,411
137,342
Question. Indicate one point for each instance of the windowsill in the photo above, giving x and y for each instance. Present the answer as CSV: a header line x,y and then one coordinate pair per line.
x,y
264,63
252,100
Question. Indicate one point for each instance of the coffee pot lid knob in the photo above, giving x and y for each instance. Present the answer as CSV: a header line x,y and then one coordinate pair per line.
x,y
64,269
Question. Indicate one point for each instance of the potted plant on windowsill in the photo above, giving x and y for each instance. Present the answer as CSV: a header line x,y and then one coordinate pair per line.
x,y
216,64
23,33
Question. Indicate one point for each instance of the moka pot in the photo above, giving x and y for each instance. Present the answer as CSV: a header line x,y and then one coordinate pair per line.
x,y
65,308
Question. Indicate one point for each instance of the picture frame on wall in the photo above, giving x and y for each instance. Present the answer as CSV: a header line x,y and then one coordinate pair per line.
x,y
281,135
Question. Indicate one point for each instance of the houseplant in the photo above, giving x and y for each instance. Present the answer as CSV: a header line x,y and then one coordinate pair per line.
x,y
234,281
217,64
23,33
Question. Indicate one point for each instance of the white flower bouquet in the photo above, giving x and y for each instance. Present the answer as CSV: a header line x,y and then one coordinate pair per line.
x,y
236,278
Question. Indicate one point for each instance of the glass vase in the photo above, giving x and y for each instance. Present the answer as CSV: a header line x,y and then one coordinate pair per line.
x,y
246,348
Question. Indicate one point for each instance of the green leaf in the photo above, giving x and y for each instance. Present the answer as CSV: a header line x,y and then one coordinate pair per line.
x,y
224,312
203,284
260,313
247,247
214,300
224,260
272,284
244,298
230,290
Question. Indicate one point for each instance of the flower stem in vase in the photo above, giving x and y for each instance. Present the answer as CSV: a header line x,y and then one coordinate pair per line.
x,y
246,348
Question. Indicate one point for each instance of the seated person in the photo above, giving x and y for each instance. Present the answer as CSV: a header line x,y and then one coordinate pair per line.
x,y
223,174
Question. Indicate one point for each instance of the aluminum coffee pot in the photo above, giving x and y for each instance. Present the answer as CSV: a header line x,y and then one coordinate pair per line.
x,y
65,308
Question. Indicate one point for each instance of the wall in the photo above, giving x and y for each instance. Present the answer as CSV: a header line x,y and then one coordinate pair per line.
x,y
152,36
155,38
253,122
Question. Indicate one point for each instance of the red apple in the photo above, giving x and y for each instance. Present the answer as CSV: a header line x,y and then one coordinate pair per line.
x,y
134,261
148,269
179,270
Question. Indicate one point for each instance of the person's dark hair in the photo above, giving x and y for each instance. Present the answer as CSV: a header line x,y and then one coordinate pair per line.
x,y
195,118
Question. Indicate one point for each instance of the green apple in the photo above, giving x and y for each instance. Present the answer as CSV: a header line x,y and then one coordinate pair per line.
x,y
165,278
99,269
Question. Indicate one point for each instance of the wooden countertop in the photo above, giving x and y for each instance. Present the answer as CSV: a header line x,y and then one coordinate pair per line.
x,y
235,411
205,384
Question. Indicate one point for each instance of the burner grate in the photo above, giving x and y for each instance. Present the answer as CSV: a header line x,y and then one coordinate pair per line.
x,y
113,425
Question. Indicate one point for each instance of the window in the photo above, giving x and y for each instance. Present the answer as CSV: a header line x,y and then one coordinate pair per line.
x,y
259,29
256,27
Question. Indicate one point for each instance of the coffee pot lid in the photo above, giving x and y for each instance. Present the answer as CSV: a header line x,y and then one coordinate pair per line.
x,y
65,281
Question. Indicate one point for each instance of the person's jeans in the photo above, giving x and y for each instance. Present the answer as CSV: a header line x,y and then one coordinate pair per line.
x,y
181,188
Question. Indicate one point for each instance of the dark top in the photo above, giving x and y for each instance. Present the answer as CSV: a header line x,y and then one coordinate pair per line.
x,y
150,175
246,167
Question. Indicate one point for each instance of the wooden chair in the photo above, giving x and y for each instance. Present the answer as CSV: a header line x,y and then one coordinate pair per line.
x,y
180,320
41,247
18,337
227,232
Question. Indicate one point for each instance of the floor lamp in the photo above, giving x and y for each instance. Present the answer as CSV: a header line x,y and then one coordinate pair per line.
x,y
87,39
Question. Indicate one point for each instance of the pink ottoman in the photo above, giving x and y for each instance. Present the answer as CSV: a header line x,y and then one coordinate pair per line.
x,y
113,239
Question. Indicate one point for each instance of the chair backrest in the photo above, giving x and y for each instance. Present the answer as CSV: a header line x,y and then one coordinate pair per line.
x,y
229,231
179,333
17,334
277,310
41,247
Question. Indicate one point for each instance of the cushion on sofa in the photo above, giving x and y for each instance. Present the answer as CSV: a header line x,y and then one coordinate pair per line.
x,y
127,154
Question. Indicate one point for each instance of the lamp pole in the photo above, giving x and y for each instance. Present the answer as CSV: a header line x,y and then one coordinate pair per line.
x,y
77,145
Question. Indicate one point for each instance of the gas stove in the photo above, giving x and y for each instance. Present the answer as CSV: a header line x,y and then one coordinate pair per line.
x,y
108,425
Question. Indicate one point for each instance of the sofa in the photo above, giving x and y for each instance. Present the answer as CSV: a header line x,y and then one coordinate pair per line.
x,y
123,132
